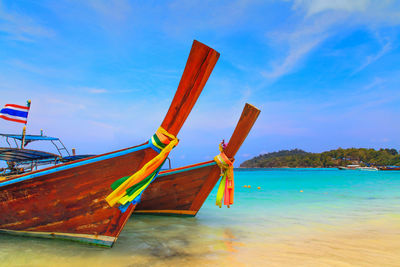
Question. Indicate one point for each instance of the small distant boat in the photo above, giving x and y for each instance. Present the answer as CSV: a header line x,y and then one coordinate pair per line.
x,y
74,200
349,167
182,191
367,168
389,168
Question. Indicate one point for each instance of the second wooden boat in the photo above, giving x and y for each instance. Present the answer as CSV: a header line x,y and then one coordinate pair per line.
x,y
182,191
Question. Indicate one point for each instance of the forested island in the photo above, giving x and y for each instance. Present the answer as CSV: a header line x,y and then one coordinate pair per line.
x,y
297,158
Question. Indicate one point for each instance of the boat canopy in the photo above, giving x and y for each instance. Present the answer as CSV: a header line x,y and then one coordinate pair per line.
x,y
25,155
62,150
30,138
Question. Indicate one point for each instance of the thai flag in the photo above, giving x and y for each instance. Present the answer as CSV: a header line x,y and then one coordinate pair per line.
x,y
15,113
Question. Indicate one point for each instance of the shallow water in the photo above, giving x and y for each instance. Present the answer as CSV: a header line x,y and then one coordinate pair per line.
x,y
342,218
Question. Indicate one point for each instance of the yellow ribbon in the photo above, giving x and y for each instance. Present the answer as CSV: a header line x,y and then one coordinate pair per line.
x,y
119,194
226,185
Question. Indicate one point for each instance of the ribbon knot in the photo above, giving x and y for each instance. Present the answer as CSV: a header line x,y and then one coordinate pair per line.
x,y
226,186
128,189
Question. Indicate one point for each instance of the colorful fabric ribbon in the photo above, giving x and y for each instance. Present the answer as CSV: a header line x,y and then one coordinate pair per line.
x,y
226,186
128,189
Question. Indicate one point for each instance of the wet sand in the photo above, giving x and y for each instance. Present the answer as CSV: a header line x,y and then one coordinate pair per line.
x,y
151,241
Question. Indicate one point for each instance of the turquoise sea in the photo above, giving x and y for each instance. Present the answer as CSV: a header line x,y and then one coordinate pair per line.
x,y
298,217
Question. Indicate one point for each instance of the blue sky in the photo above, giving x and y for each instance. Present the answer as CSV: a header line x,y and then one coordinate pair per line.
x,y
101,74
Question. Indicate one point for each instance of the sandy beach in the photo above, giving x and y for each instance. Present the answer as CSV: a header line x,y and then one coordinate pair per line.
x,y
372,243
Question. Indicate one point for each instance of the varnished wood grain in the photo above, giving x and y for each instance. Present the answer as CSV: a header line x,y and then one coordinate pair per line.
x,y
247,119
69,201
201,62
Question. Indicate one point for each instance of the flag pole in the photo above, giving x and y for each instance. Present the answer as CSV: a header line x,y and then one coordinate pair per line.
x,y
28,104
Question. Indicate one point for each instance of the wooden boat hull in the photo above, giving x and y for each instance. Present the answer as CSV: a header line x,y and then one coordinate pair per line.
x,y
389,168
180,191
68,202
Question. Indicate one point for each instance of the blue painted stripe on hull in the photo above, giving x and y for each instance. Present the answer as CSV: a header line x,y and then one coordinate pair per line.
x,y
73,165
187,169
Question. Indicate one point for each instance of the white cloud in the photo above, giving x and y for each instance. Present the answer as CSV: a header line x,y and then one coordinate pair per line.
x,y
365,11
36,68
295,54
317,6
299,43
21,27
97,90
113,10
323,19
386,47
184,18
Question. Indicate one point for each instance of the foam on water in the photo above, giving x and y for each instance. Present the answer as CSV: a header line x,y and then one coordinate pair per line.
x,y
339,218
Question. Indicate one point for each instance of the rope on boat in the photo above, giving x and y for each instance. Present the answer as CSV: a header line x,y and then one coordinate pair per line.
x,y
226,186
128,189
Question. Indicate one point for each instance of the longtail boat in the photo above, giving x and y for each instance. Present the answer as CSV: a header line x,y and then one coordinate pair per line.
x,y
75,200
182,191
389,168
